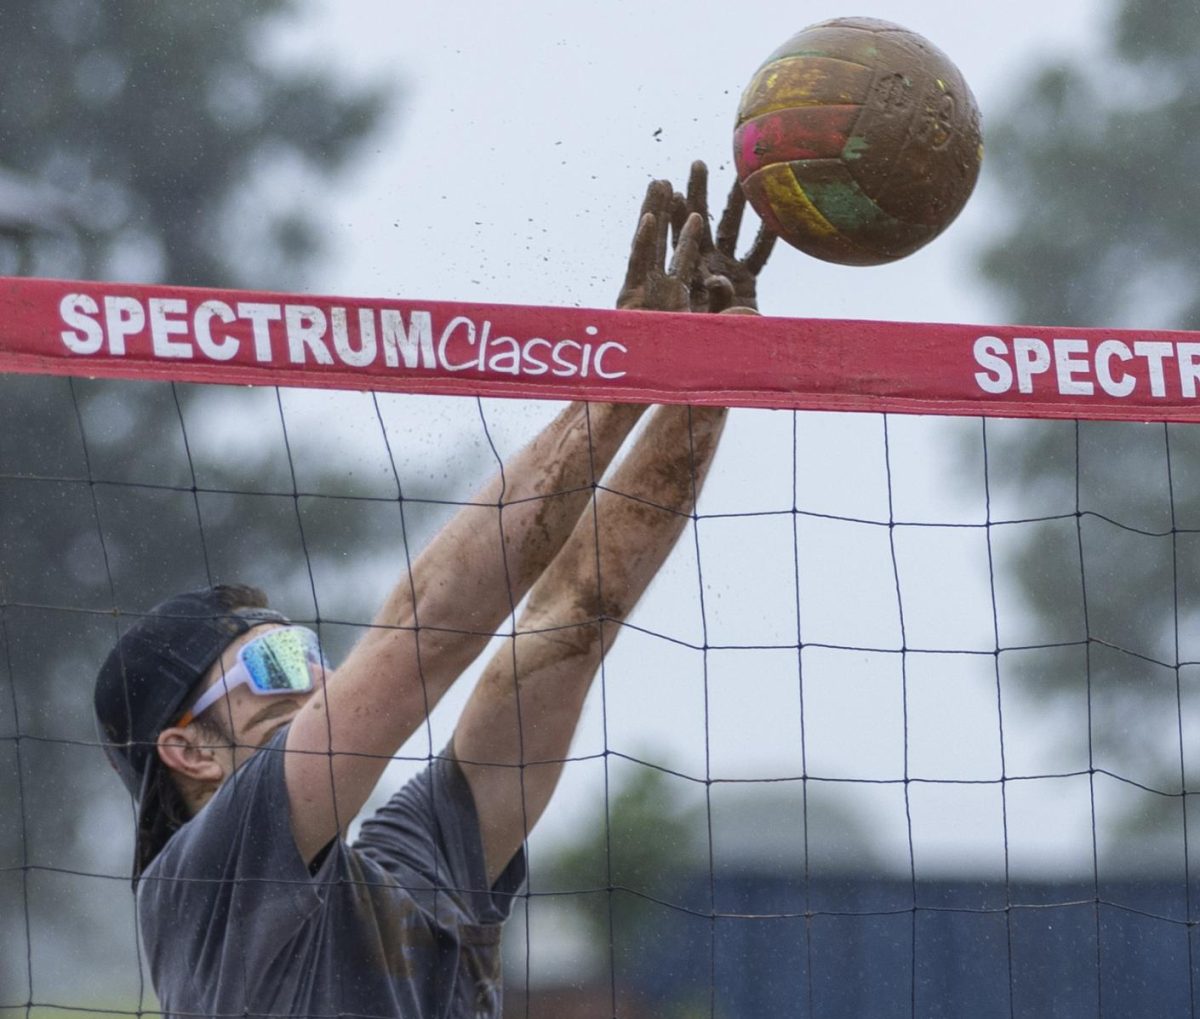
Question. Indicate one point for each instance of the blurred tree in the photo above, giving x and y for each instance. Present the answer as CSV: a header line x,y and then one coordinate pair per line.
x,y
653,863
637,854
1097,159
176,133
630,855
148,142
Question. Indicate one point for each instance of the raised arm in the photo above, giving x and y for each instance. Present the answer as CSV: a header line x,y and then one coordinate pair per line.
x,y
517,727
439,617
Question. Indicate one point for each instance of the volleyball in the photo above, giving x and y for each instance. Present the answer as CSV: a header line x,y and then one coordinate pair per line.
x,y
858,141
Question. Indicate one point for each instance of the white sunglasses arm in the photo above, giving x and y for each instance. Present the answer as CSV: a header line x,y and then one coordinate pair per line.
x,y
235,675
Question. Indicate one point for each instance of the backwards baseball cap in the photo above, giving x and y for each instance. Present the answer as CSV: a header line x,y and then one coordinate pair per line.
x,y
145,684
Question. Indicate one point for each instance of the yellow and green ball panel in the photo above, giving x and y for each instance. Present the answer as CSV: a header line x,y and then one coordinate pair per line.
x,y
818,207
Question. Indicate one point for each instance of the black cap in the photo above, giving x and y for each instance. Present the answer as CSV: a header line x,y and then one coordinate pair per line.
x,y
145,683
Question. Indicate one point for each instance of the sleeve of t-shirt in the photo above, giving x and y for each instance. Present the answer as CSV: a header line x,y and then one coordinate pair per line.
x,y
236,858
430,826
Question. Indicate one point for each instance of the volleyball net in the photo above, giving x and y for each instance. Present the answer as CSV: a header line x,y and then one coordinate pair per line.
x,y
905,727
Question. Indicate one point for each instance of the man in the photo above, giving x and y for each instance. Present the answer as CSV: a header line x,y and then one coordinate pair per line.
x,y
249,758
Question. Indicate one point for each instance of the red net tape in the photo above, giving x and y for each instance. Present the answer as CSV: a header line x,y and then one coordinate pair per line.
x,y
95,329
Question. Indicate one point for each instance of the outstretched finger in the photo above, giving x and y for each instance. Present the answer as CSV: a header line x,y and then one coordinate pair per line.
x,y
760,250
679,215
697,198
658,195
731,221
662,231
657,203
687,252
643,255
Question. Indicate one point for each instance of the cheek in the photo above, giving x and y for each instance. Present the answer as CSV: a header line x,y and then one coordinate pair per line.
x,y
242,706
241,753
262,732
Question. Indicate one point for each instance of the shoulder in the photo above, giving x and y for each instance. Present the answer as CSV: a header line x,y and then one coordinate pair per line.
x,y
429,832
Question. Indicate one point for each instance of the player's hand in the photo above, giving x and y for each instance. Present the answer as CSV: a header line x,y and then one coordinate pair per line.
x,y
648,285
723,281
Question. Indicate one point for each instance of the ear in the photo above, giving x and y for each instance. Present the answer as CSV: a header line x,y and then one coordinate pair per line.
x,y
189,754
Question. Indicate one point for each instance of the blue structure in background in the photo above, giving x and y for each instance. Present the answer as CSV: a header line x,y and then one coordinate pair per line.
x,y
969,950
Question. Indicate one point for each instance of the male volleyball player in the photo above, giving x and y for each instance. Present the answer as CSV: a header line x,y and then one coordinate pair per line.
x,y
250,756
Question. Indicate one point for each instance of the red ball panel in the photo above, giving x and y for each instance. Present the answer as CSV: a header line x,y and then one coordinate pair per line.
x,y
803,132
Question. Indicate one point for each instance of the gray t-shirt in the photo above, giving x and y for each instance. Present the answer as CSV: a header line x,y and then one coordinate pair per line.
x,y
399,924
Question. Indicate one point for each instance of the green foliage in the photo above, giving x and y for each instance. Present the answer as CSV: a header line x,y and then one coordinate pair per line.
x,y
1102,228
160,120
1098,160
629,857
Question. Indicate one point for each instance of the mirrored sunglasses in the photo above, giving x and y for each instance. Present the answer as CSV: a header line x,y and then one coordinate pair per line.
x,y
282,661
